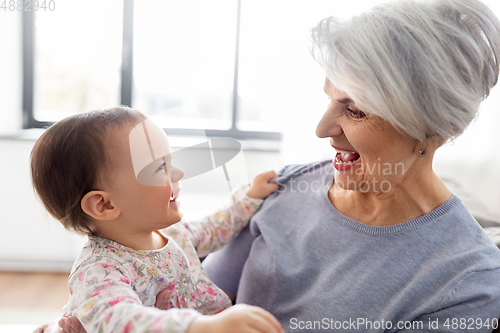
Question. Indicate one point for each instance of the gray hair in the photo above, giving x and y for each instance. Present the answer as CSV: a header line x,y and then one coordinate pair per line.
x,y
424,66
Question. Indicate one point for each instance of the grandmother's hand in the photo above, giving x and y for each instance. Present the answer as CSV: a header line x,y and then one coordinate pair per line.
x,y
162,299
65,325
71,325
51,327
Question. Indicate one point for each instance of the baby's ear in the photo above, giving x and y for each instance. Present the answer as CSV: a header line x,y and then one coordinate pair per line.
x,y
97,205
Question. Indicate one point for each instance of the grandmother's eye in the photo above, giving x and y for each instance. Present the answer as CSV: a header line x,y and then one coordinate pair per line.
x,y
356,113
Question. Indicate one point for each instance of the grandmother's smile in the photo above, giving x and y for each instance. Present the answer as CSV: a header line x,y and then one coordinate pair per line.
x,y
345,159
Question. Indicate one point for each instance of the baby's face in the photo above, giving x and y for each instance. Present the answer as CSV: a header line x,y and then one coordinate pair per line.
x,y
150,150
142,180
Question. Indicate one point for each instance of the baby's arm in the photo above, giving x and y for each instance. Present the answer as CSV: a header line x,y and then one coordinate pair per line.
x,y
212,232
240,318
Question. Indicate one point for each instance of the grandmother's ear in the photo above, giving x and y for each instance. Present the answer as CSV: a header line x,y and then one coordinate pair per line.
x,y
97,205
429,146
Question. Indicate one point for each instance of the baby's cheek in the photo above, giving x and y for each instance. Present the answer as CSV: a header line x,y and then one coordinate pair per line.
x,y
168,190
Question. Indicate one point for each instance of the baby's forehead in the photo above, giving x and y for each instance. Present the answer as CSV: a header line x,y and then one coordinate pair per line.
x,y
148,143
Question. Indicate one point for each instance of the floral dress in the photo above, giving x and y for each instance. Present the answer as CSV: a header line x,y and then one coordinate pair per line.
x,y
113,288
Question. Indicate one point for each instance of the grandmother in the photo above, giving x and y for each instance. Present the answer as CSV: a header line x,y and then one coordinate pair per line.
x,y
373,240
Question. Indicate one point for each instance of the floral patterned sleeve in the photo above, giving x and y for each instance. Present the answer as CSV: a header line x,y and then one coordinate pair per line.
x,y
104,300
213,232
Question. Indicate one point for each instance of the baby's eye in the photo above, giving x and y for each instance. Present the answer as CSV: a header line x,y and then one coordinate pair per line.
x,y
356,113
161,168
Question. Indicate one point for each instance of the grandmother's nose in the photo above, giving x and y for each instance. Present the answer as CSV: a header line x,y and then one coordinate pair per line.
x,y
329,125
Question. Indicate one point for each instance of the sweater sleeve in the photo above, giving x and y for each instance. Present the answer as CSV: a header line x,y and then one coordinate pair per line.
x,y
103,299
473,304
213,232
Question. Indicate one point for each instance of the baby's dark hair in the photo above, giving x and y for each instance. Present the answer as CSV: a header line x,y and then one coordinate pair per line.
x,y
68,159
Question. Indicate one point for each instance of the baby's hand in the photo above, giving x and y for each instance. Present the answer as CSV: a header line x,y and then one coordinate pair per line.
x,y
240,318
261,186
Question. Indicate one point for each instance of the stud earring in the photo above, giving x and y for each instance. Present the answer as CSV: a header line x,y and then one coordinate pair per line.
x,y
422,152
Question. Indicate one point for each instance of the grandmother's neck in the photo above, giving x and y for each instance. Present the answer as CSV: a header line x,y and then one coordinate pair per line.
x,y
404,202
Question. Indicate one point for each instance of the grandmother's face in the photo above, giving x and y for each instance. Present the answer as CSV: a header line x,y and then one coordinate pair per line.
x,y
370,155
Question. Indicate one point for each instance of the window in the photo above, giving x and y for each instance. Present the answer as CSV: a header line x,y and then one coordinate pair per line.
x,y
177,61
77,58
184,61
228,68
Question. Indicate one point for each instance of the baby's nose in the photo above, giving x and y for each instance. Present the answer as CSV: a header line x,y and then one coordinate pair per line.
x,y
176,174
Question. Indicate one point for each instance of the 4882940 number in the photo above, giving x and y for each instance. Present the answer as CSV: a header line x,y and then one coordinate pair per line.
x,y
28,5
470,323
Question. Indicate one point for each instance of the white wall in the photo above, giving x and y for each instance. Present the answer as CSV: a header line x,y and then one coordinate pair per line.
x,y
29,238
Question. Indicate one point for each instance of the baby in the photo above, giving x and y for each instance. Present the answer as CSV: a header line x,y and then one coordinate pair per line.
x,y
108,174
